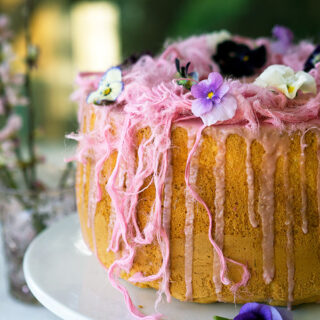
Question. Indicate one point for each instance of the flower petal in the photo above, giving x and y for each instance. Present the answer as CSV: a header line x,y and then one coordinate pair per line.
x,y
93,97
220,112
112,75
201,89
309,83
222,90
201,106
275,314
284,38
284,79
247,316
116,89
249,307
274,76
216,80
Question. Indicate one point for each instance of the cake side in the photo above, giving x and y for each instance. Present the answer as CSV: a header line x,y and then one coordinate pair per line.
x,y
241,240
198,170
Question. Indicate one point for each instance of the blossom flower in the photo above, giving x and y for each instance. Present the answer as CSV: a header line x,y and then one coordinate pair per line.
x,y
4,31
284,79
312,60
109,89
14,98
212,103
238,60
284,38
7,154
11,127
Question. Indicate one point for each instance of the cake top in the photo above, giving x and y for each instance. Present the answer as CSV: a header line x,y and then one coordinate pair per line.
x,y
219,78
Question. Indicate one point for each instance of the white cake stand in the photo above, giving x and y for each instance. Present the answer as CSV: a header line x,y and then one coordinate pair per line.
x,y
68,280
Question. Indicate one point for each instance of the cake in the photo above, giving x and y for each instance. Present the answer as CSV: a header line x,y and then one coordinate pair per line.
x,y
198,170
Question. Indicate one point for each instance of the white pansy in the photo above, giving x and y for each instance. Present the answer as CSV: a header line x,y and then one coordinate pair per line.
x,y
109,88
214,38
286,80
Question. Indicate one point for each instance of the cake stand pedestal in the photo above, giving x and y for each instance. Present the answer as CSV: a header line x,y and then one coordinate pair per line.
x,y
68,280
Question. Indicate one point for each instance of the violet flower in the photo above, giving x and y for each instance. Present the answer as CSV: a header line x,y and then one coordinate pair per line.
x,y
257,311
284,38
212,103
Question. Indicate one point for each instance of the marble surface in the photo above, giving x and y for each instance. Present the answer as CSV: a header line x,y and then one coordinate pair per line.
x,y
11,309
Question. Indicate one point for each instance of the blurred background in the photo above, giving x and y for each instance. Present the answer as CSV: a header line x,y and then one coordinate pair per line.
x,y
78,36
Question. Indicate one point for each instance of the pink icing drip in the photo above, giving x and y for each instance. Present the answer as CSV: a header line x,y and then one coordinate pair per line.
x,y
266,202
188,229
222,258
166,219
250,182
219,173
303,179
289,231
92,205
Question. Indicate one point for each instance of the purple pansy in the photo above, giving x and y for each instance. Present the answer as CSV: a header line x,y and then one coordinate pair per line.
x,y
211,103
257,311
284,38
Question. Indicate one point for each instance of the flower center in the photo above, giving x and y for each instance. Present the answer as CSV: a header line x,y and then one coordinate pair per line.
x,y
290,88
106,91
210,95
245,58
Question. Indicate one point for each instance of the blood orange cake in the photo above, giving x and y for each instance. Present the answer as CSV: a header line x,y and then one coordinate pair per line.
x,y
198,170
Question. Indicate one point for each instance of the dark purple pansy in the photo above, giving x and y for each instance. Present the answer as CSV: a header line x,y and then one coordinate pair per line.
x,y
257,311
238,60
284,38
312,60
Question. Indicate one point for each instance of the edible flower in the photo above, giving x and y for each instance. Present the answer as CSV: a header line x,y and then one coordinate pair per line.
x,y
284,79
109,89
239,60
188,78
257,311
212,104
284,38
313,59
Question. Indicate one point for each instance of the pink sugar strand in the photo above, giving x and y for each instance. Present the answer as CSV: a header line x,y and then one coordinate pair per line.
x,y
222,258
